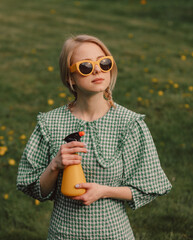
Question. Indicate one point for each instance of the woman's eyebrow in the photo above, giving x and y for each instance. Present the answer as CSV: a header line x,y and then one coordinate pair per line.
x,y
91,59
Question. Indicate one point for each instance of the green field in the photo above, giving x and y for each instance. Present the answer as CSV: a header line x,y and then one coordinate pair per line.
x,y
152,44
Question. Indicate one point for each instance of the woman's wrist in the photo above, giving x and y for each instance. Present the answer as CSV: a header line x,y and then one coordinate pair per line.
x,y
123,193
53,166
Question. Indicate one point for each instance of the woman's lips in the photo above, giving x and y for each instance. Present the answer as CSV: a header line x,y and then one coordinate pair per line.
x,y
98,80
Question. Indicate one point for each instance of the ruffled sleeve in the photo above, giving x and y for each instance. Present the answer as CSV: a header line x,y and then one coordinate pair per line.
x,y
142,170
33,163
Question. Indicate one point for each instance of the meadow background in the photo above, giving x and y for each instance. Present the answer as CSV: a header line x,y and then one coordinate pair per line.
x,y
152,43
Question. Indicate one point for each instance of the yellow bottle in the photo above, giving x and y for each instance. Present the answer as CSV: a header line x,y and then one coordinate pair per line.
x,y
73,174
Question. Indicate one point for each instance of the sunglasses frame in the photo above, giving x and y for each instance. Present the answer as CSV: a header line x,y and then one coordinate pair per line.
x,y
75,66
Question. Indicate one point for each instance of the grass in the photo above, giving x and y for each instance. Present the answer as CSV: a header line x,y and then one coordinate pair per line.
x,y
152,45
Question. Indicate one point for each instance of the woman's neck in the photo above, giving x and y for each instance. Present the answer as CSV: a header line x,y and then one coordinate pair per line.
x,y
90,108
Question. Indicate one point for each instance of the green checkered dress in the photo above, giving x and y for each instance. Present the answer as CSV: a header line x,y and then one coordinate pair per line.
x,y
121,153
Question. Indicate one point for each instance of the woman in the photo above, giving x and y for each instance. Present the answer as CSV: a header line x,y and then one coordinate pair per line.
x,y
119,158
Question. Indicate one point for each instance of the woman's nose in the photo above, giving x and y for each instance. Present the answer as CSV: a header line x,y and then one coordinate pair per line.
x,y
96,69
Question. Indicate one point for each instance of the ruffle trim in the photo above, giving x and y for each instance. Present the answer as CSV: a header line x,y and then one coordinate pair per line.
x,y
107,162
42,123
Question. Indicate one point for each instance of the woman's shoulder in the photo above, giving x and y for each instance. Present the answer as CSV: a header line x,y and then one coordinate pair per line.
x,y
53,114
126,115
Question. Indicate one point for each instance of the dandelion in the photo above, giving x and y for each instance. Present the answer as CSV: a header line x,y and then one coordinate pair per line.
x,y
183,57
70,99
130,35
1,137
143,2
3,128
151,91
10,138
139,99
22,137
37,202
6,196
142,57
11,132
50,69
190,88
33,51
171,81
50,102
192,54
52,11
146,70
186,105
11,162
182,145
3,150
77,3
160,93
176,85
62,95
154,80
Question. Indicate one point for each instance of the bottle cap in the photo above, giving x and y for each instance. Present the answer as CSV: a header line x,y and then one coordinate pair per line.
x,y
82,133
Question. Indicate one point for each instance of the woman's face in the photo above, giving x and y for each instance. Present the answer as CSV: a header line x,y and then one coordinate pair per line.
x,y
96,82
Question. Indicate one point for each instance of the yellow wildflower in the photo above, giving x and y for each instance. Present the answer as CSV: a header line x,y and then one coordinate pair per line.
x,y
11,132
176,85
154,80
171,82
183,57
146,70
186,105
142,57
11,162
139,99
37,202
192,54
143,2
77,3
1,137
62,95
70,99
6,196
130,35
50,102
50,69
3,150
160,93
52,11
190,88
10,138
3,128
22,137
33,51
151,90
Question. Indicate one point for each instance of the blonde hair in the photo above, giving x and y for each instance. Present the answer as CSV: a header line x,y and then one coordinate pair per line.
x,y
65,61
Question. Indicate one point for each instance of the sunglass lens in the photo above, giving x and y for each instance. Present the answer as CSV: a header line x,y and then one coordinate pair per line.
x,y
106,64
85,67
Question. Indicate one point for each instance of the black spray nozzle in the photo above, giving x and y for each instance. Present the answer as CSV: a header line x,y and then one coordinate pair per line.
x,y
74,136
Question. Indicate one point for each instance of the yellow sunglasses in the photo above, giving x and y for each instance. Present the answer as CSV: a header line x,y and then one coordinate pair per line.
x,y
86,67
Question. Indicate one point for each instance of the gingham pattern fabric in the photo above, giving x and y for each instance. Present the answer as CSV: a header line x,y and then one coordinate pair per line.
x,y
121,153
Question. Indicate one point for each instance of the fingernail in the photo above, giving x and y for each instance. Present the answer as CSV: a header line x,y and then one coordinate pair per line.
x,y
77,185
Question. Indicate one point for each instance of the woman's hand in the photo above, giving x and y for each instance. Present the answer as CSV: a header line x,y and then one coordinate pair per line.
x,y
66,155
94,192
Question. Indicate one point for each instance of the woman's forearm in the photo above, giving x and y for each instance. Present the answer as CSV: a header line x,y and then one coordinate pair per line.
x,y
48,180
123,193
